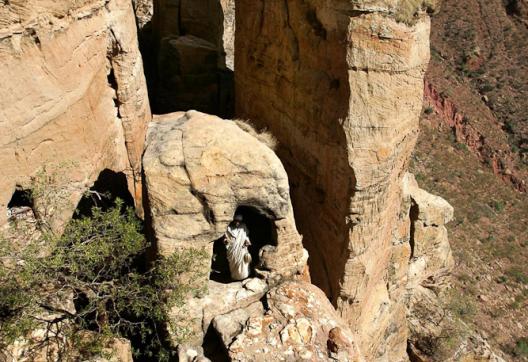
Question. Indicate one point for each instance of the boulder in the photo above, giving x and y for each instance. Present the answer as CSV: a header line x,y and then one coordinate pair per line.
x,y
299,324
199,169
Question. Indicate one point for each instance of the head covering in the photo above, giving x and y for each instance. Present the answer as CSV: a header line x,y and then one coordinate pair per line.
x,y
238,217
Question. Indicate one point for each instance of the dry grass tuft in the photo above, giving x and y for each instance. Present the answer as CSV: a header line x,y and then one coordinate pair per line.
x,y
262,135
408,9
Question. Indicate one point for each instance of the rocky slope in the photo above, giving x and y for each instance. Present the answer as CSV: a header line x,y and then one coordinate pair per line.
x,y
477,81
474,127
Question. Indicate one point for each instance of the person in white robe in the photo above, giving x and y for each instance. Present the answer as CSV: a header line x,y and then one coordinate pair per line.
x,y
237,242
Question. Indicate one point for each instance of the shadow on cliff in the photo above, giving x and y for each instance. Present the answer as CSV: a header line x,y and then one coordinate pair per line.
x,y
292,78
184,58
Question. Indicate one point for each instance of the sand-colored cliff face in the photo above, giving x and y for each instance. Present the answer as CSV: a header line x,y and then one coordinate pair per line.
x,y
72,89
340,84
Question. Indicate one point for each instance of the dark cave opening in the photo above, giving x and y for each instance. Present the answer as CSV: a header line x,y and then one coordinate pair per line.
x,y
261,232
21,204
21,198
108,187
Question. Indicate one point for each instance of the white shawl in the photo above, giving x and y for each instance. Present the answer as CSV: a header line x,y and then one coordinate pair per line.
x,y
237,253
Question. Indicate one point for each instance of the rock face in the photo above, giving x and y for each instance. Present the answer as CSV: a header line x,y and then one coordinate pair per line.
x,y
340,84
193,46
299,324
430,264
199,169
72,90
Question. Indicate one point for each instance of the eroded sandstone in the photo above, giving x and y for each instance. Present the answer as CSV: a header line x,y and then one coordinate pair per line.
x,y
340,84
199,170
72,91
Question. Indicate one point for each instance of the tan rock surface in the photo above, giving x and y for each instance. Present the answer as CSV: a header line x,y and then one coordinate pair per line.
x,y
198,170
340,84
299,324
72,90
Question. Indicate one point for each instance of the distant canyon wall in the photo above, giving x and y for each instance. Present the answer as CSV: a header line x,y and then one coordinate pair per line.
x,y
73,91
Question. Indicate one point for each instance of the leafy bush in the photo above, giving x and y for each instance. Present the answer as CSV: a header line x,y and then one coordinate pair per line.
x,y
98,264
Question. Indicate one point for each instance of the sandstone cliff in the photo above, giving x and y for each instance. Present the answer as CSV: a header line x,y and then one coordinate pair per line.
x,y
339,83
72,90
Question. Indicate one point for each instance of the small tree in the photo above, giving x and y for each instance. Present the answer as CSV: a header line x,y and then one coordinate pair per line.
x,y
98,265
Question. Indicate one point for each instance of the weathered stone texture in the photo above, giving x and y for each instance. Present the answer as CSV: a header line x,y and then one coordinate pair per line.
x,y
299,324
144,10
340,84
198,170
72,90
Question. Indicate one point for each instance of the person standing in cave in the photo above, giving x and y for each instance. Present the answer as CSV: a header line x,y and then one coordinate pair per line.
x,y
237,242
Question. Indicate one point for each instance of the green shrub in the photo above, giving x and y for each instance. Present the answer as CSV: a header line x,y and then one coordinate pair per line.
x,y
461,305
498,205
461,146
98,261
518,275
521,347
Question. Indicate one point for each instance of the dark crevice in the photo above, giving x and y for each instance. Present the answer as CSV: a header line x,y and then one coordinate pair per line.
x,y
112,82
213,346
208,213
34,36
413,215
316,24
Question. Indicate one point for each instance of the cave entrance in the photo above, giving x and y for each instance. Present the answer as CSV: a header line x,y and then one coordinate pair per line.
x,y
20,205
108,187
261,232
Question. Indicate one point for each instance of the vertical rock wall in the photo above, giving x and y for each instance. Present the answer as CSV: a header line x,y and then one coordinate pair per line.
x,y
340,84
72,90
190,54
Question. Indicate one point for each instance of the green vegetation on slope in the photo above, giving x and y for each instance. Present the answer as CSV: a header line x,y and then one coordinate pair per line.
x,y
488,237
98,264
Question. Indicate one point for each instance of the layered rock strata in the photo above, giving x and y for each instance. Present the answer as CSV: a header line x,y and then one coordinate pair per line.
x,y
340,84
72,91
